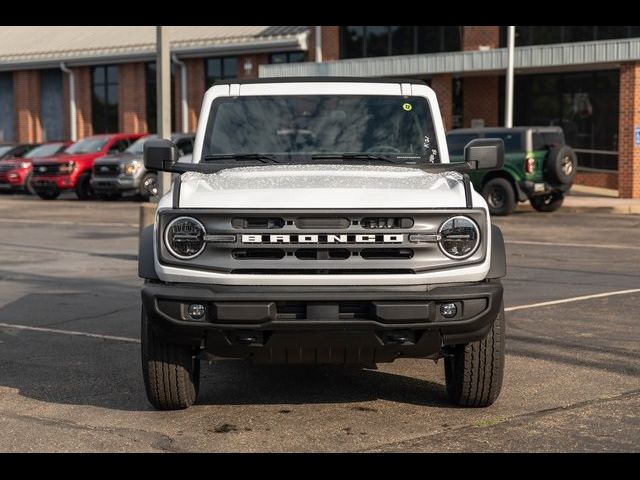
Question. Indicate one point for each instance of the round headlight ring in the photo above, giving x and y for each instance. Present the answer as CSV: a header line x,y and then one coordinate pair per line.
x,y
449,224
168,244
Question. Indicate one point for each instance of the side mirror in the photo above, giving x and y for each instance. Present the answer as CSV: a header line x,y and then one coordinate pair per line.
x,y
485,153
160,154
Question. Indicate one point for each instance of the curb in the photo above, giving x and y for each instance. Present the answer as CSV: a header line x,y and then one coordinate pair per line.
x,y
617,209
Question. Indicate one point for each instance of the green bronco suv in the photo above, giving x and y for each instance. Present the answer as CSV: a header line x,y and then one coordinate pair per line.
x,y
538,166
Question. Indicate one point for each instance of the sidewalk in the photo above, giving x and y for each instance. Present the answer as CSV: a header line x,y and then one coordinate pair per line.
x,y
584,199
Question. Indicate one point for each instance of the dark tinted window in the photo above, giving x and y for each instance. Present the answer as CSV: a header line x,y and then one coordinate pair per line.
x,y
220,68
104,99
512,141
152,99
544,140
378,41
456,143
286,57
321,124
119,146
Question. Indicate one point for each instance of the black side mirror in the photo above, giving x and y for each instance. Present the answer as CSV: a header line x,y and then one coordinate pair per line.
x,y
160,154
485,153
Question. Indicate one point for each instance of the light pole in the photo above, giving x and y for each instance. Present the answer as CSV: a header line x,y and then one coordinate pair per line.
x,y
163,82
508,104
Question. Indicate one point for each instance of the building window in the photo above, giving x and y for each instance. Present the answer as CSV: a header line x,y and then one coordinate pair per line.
x,y
152,101
51,104
584,104
6,107
104,99
287,57
380,41
543,35
220,68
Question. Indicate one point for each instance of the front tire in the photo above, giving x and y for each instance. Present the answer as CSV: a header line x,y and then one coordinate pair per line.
x,y
84,190
547,203
148,186
500,196
48,194
171,372
474,371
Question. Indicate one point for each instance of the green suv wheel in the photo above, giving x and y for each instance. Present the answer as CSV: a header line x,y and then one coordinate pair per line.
x,y
500,197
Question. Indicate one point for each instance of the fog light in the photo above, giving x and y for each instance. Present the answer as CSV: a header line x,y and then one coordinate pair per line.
x,y
448,310
196,311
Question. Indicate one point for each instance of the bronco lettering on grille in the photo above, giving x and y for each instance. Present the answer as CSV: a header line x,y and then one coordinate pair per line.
x,y
322,238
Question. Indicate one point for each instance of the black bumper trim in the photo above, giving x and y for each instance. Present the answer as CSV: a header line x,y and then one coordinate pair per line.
x,y
447,331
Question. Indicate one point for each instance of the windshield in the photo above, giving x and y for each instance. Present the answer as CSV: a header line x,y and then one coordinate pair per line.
x,y
396,126
44,150
5,148
137,147
88,145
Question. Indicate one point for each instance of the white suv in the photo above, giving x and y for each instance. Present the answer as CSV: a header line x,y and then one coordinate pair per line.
x,y
320,221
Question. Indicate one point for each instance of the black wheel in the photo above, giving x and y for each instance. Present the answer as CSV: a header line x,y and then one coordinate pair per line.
x,y
474,371
109,196
171,372
561,166
547,203
500,196
84,190
148,186
48,194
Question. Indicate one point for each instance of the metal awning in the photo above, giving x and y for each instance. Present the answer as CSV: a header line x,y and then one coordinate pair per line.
x,y
598,53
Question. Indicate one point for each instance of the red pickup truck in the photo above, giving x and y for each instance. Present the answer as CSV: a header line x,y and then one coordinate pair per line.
x,y
72,169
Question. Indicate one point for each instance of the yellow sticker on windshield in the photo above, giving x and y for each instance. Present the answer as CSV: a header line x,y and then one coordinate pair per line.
x,y
407,107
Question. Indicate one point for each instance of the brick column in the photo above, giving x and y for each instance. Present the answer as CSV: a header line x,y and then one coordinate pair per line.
x,y
26,104
84,125
477,36
330,43
629,119
132,98
480,100
255,60
195,89
442,85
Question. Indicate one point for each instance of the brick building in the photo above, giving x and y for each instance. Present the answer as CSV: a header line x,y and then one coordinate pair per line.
x,y
114,76
583,78
586,79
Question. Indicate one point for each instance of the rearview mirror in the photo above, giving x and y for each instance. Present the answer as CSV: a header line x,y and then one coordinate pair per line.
x,y
160,154
485,153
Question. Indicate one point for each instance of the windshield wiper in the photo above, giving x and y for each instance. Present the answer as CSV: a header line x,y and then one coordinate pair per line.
x,y
353,156
260,157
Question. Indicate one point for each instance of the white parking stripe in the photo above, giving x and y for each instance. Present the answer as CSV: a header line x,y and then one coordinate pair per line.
x,y
572,299
586,245
69,332
66,222
135,340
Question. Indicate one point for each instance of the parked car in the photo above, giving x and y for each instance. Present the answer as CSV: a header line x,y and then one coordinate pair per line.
x,y
539,166
124,173
15,173
72,169
13,150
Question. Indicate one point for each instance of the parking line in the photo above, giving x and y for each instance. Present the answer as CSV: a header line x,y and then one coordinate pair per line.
x,y
70,332
135,340
572,299
585,245
66,222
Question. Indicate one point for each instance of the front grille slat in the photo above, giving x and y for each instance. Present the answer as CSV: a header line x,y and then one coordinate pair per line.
x,y
106,170
49,169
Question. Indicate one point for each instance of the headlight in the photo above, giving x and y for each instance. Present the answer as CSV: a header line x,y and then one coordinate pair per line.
x,y
131,168
67,167
184,237
25,164
460,237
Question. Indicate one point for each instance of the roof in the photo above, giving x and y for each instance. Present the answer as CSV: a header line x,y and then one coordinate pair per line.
x,y
320,79
29,45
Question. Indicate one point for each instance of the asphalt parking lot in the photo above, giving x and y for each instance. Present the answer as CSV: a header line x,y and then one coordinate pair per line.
x,y
70,377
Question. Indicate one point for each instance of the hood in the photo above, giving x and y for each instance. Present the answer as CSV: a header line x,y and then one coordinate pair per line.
x,y
14,161
322,186
65,157
123,157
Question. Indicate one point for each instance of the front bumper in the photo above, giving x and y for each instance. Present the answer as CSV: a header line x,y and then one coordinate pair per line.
x,y
323,324
117,184
53,182
13,179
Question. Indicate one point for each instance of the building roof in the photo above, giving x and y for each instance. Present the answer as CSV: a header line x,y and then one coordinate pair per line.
x,y
28,47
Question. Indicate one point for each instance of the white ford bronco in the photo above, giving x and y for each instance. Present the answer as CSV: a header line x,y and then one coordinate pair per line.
x,y
320,221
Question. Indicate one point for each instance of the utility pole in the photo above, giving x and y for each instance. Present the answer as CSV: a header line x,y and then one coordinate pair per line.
x,y
163,82
508,104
